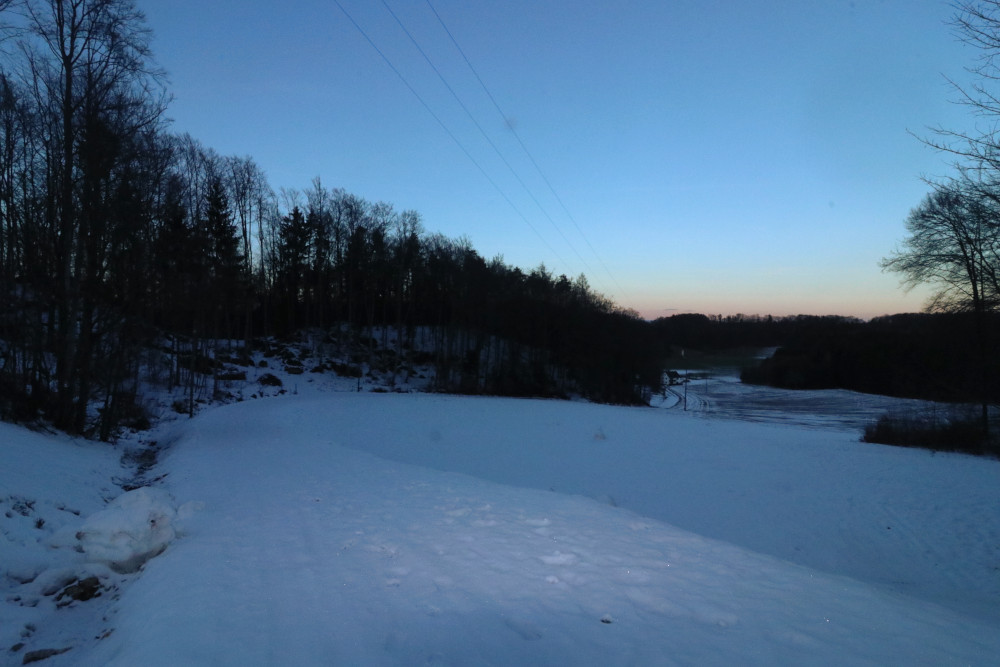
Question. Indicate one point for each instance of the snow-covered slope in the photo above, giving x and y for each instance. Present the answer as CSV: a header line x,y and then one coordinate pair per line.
x,y
918,523
422,529
49,485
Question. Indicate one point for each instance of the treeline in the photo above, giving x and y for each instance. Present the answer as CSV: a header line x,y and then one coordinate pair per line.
x,y
116,235
927,356
495,328
934,356
727,332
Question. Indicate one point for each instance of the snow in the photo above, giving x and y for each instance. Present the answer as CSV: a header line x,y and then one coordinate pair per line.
x,y
383,529
134,527
48,485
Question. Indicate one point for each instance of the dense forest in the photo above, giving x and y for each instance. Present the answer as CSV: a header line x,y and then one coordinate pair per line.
x,y
118,237
727,332
927,355
934,356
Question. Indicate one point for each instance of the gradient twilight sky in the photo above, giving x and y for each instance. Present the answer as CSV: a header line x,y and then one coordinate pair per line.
x,y
716,156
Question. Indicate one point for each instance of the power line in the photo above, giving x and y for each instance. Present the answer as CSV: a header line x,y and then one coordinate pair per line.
x,y
485,135
447,131
517,136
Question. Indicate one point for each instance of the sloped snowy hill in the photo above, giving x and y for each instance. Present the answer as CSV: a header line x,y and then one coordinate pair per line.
x,y
309,549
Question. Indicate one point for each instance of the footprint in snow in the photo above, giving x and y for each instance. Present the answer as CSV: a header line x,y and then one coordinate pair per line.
x,y
525,629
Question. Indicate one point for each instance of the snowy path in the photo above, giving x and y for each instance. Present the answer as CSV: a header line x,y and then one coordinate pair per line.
x,y
307,552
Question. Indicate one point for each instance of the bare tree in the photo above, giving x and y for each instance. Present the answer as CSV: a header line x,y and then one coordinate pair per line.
x,y
246,184
954,235
98,73
954,246
977,151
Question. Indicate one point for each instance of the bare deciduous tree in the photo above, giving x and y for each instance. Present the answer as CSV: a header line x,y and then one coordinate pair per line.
x,y
977,24
954,246
99,69
954,235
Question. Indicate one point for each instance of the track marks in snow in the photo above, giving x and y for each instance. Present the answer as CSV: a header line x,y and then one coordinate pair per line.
x,y
566,565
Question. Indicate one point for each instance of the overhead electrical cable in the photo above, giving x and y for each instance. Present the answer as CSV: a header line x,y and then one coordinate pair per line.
x,y
485,135
447,130
517,136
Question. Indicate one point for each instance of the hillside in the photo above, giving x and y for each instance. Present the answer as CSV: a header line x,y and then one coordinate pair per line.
x,y
327,526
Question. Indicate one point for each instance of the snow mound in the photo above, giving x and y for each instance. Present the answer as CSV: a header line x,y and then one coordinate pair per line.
x,y
134,527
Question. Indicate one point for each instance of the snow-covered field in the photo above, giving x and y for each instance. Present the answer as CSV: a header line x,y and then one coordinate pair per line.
x,y
331,527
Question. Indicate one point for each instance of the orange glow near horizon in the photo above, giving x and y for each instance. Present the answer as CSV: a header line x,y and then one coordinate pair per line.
x,y
651,308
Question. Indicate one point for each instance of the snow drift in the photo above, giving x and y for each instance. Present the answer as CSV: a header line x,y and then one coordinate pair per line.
x,y
135,526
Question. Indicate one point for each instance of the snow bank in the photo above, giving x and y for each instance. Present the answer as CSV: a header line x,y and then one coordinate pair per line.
x,y
135,526
65,549
48,485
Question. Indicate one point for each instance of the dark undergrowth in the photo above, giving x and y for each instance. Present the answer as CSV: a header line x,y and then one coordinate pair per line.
x,y
961,433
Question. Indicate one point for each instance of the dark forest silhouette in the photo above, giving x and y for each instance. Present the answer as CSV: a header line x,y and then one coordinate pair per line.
x,y
116,235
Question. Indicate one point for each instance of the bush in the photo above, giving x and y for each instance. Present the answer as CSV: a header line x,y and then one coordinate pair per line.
x,y
954,434
232,375
269,380
346,370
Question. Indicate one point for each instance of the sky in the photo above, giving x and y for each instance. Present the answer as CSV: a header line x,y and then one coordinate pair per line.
x,y
712,156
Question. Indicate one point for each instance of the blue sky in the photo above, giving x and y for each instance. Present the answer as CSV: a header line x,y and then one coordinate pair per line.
x,y
714,156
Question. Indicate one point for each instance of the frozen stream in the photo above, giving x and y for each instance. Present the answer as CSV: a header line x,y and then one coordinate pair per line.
x,y
719,393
